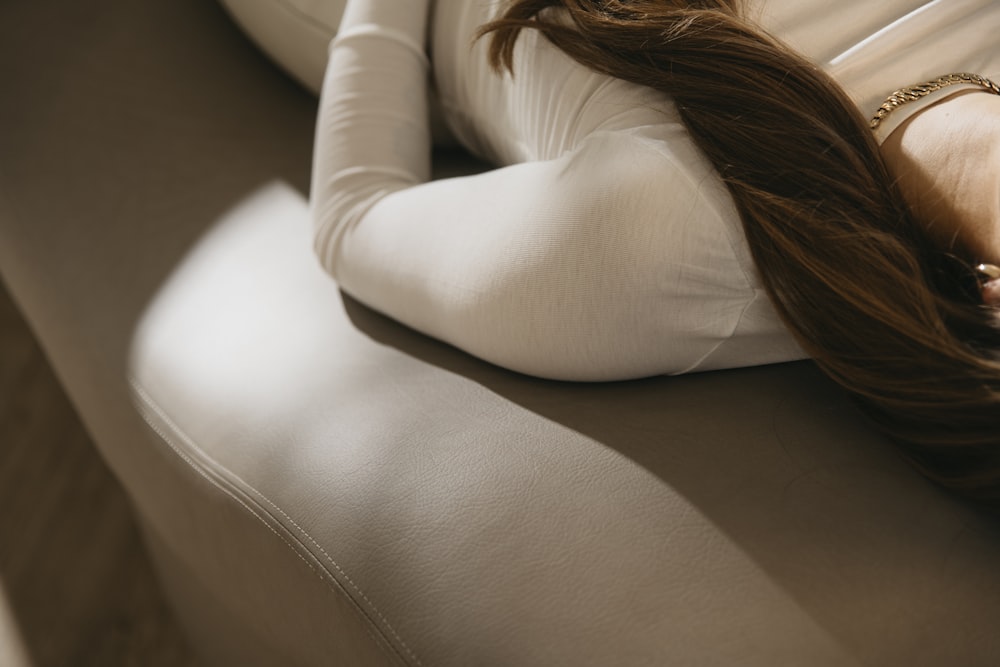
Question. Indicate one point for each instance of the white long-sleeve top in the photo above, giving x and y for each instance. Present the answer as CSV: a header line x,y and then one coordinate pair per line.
x,y
603,246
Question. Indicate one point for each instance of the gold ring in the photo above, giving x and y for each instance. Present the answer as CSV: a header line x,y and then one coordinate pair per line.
x,y
988,272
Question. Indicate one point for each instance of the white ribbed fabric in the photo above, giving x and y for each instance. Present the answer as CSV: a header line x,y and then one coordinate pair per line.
x,y
603,246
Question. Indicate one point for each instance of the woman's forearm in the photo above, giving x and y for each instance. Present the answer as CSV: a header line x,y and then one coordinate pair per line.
x,y
372,135
947,162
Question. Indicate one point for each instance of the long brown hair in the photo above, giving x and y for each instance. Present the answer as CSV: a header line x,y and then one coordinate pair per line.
x,y
888,315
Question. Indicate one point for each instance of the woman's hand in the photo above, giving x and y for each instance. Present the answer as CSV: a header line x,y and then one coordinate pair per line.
x,y
947,162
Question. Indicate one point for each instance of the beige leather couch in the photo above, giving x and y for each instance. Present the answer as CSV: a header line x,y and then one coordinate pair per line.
x,y
319,486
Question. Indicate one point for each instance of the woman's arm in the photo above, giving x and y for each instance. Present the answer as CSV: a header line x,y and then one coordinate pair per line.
x,y
947,160
372,134
606,263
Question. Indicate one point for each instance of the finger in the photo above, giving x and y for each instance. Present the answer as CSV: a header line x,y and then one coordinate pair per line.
x,y
991,292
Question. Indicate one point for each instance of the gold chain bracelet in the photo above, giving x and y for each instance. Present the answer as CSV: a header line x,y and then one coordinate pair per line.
x,y
913,93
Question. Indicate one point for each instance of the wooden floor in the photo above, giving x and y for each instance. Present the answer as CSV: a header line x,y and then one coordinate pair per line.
x,y
76,587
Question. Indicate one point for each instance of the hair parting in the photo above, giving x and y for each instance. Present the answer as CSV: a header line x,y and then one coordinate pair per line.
x,y
880,308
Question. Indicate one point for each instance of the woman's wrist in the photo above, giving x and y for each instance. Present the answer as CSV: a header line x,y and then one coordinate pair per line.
x,y
946,159
908,101
407,16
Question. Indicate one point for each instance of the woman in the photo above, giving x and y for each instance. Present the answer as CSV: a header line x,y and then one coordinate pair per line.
x,y
676,191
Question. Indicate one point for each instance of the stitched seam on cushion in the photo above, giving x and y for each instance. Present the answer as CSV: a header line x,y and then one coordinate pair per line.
x,y
152,405
379,641
306,18
330,560
300,15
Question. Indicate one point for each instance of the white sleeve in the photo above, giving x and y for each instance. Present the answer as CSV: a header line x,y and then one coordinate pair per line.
x,y
602,264
372,134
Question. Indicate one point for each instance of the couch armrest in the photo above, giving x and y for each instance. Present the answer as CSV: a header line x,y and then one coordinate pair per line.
x,y
454,513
